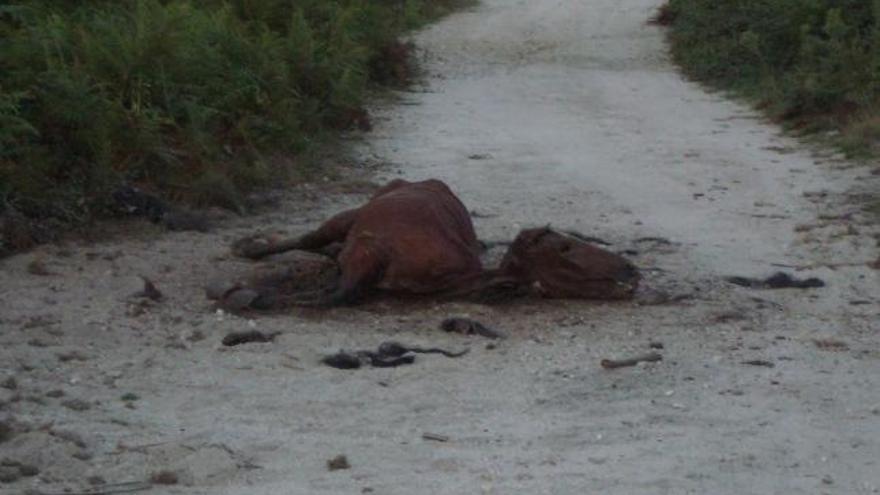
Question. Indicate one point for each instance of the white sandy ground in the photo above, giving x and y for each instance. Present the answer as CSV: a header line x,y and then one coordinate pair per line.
x,y
535,112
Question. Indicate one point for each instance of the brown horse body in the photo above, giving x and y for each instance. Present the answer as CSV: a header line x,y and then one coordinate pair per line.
x,y
417,237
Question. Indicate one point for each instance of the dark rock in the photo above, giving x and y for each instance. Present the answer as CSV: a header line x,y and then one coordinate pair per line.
x,y
69,436
71,356
466,326
164,478
343,361
246,337
760,362
6,430
149,291
337,463
77,405
779,280
96,480
9,474
83,455
28,471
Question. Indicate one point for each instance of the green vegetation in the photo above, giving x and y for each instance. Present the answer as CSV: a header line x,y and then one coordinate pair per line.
x,y
812,64
194,99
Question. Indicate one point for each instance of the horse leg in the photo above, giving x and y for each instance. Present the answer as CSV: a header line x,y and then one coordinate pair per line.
x,y
488,286
333,230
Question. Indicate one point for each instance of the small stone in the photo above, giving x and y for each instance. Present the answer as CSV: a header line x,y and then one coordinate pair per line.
x,y
69,436
5,431
54,394
83,455
10,383
9,474
71,356
77,405
37,267
96,480
149,291
28,470
164,477
337,463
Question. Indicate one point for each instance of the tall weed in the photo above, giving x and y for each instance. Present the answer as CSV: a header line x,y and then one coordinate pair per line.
x,y
187,97
817,60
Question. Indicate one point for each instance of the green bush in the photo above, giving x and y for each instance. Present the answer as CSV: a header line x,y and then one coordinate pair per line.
x,y
814,61
190,98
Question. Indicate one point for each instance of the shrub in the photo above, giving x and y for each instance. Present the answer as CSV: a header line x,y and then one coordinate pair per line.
x,y
190,98
800,58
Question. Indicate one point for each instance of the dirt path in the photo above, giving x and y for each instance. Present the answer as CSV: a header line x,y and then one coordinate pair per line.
x,y
535,112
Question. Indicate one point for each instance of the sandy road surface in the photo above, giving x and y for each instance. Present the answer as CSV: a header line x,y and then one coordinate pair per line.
x,y
536,112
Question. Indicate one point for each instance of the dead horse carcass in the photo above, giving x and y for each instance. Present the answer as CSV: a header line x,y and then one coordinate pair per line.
x,y
418,238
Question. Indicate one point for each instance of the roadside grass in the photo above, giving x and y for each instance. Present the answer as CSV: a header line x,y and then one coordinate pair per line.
x,y
195,100
813,66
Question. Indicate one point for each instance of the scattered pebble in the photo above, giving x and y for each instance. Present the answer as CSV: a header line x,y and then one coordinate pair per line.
x,y
38,267
164,477
337,463
434,437
6,431
96,480
246,337
831,344
28,471
467,326
83,455
69,436
10,383
779,280
77,405
149,291
9,474
760,362
65,357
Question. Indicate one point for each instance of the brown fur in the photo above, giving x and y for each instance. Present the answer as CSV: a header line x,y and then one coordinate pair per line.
x,y
414,237
417,237
561,266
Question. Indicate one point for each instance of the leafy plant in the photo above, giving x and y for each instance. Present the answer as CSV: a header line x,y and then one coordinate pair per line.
x,y
189,98
813,63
